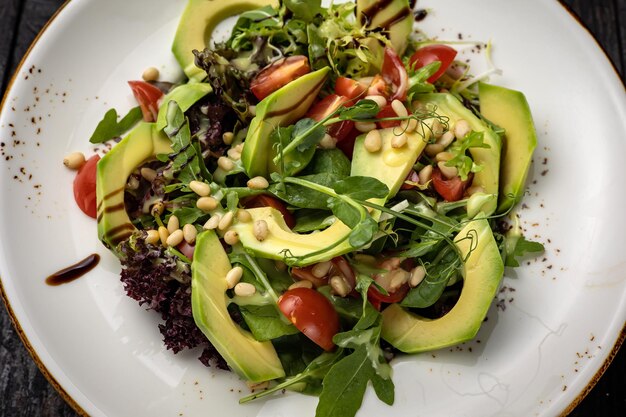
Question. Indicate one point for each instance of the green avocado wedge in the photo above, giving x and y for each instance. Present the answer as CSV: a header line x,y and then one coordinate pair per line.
x,y
482,272
509,110
392,16
143,143
196,25
250,359
281,108
185,95
449,106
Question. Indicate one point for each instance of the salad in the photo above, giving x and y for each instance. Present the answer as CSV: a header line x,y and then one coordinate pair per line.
x,y
327,189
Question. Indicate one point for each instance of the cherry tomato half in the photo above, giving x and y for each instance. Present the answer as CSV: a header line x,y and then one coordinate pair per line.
x,y
148,97
264,200
431,53
376,298
450,189
387,111
85,187
395,75
312,314
326,106
279,74
350,88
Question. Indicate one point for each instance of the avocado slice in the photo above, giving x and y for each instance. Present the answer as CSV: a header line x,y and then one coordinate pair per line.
x,y
483,271
250,359
447,105
281,238
185,95
141,144
281,108
393,16
198,21
389,165
510,110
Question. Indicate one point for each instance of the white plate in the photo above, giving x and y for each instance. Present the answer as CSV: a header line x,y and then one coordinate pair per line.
x,y
105,352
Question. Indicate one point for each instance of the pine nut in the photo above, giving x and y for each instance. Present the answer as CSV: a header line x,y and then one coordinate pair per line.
x,y
190,233
446,139
398,278
239,147
225,163
461,128
163,235
173,224
75,160
437,129
201,188
231,237
433,149
153,237
373,141
328,142
227,138
148,174
417,275
301,284
379,100
474,189
212,222
206,203
157,209
243,215
339,286
425,174
409,125
226,221
443,157
175,239
398,141
234,276
233,154
133,183
258,183
399,108
150,74
364,127
448,172
260,230
320,270
252,110
245,289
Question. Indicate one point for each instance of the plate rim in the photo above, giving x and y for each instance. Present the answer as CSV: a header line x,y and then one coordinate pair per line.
x,y
621,337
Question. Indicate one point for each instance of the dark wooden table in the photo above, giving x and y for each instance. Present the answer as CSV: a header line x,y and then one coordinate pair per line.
x,y
23,389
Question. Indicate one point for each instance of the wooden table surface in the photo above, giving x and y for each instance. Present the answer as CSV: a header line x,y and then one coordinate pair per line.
x,y
23,389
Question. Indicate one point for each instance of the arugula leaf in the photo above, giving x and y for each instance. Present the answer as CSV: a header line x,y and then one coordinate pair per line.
x,y
460,159
188,215
109,128
361,188
517,247
305,197
185,164
265,323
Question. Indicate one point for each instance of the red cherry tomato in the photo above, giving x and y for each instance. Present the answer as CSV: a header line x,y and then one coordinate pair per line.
x,y
385,112
347,144
450,189
312,314
395,75
279,74
350,88
431,53
85,187
264,200
326,106
186,249
148,97
378,87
